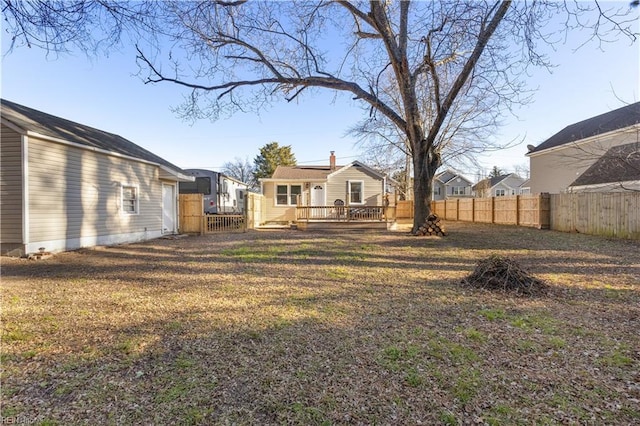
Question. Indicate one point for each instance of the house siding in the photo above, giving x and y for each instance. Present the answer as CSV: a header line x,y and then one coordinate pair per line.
x,y
275,213
335,189
10,189
555,170
510,184
337,186
75,195
439,195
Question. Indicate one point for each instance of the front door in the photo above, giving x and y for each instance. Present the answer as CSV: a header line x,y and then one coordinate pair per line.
x,y
168,209
317,199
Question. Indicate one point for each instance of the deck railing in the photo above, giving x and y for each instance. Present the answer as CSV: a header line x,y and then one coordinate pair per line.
x,y
343,213
224,223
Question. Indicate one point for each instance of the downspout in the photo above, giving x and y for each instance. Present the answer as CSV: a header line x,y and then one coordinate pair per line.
x,y
24,145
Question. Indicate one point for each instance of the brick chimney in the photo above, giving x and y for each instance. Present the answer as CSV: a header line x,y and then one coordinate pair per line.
x,y
332,161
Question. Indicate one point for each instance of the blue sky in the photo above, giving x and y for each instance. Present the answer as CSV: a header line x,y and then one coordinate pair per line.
x,y
105,93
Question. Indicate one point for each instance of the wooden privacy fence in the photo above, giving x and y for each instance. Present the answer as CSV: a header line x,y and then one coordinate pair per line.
x,y
254,205
521,210
404,209
194,221
611,214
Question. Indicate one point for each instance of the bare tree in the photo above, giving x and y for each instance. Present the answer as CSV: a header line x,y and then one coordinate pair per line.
x,y
522,170
89,25
240,169
418,66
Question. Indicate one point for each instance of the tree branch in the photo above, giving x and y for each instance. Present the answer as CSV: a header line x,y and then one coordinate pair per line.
x,y
483,39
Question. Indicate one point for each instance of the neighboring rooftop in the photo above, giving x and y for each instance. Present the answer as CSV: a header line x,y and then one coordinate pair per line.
x,y
619,164
55,127
490,182
603,123
449,175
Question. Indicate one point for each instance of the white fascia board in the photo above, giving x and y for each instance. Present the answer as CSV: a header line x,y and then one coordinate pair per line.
x,y
353,163
621,184
170,174
13,126
629,129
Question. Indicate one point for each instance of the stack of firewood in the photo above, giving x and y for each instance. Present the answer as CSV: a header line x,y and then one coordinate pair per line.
x,y
433,226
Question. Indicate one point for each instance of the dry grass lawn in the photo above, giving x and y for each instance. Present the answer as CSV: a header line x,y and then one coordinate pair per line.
x,y
286,327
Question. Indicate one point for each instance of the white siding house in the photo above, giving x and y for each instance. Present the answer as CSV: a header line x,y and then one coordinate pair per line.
x,y
66,186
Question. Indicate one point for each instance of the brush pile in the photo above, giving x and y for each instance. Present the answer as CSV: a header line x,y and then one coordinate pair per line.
x,y
498,273
432,226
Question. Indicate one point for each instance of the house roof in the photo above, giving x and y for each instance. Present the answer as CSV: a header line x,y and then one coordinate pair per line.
x,y
449,175
619,164
316,172
491,182
303,172
40,123
603,123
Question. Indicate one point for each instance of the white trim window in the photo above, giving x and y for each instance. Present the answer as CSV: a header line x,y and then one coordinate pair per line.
x,y
287,195
129,199
457,190
500,193
356,191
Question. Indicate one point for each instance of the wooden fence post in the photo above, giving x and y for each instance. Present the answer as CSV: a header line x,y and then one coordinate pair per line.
x,y
473,210
493,210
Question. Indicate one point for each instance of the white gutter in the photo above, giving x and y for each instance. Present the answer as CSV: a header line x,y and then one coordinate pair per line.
x,y
630,129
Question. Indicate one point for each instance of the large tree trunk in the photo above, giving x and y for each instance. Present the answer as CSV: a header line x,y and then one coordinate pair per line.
x,y
424,169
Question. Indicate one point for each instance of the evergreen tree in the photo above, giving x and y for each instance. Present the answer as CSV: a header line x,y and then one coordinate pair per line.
x,y
271,156
496,172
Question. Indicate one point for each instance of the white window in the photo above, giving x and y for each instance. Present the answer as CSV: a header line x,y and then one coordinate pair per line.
x,y
129,197
500,193
436,190
457,190
287,195
356,192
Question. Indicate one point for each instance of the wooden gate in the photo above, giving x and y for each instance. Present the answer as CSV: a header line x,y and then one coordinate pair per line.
x,y
194,221
191,213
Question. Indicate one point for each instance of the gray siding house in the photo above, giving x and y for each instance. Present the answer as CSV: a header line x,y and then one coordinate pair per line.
x,y
559,161
449,184
499,186
65,185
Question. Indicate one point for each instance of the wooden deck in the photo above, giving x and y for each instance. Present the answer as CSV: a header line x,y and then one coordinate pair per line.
x,y
342,226
344,218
